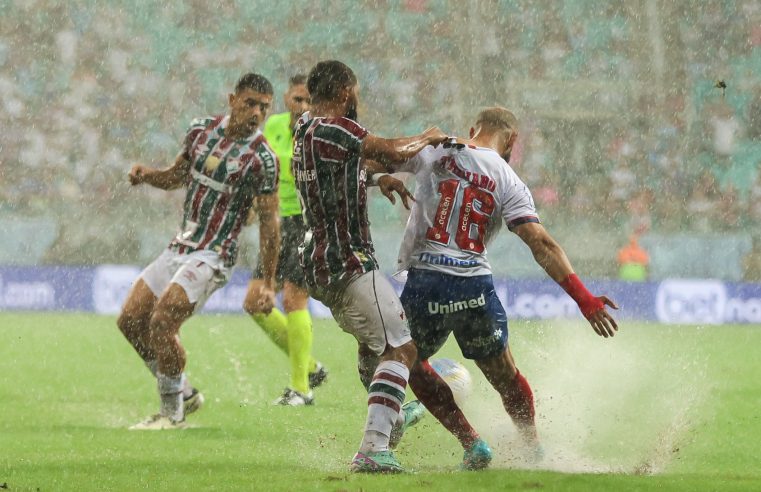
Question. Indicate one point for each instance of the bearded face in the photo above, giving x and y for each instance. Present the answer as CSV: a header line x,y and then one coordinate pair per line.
x,y
353,103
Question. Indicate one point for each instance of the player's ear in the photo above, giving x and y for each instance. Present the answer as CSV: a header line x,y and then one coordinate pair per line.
x,y
472,132
344,94
513,136
230,99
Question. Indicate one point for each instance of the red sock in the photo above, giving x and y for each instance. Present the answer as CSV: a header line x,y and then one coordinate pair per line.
x,y
518,401
435,394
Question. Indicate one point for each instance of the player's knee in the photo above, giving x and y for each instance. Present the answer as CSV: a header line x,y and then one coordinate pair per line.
x,y
249,305
157,321
167,316
410,351
405,353
294,297
127,322
251,302
291,304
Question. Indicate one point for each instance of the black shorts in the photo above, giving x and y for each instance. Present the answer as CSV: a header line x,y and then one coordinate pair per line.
x,y
292,232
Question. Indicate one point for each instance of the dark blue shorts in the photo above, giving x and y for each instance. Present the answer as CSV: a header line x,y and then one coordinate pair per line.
x,y
438,304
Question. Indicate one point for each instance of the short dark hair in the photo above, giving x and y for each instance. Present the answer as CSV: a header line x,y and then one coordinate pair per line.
x,y
298,79
327,78
255,82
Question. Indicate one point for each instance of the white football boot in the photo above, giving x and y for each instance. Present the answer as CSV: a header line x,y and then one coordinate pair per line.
x,y
159,422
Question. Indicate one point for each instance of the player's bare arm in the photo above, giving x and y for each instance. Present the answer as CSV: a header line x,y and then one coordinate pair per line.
x,y
378,174
397,150
551,257
170,178
269,246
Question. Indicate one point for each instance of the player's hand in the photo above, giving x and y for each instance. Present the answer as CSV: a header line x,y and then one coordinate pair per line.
x,y
137,174
265,301
389,184
435,136
602,322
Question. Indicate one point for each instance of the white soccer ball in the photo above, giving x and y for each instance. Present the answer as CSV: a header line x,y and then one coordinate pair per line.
x,y
456,376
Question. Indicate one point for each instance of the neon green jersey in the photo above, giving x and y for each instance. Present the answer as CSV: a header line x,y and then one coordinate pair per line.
x,y
277,131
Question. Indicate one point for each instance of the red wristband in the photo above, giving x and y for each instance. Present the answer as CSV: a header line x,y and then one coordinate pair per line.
x,y
588,303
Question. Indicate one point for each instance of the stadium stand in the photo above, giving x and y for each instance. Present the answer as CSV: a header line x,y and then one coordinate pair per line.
x,y
622,131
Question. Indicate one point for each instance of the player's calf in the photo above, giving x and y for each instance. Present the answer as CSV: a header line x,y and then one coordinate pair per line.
x,y
514,390
439,400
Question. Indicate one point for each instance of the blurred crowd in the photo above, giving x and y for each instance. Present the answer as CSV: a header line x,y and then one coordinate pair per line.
x,y
87,88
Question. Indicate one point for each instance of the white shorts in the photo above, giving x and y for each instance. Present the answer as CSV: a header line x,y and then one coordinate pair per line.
x,y
199,273
367,307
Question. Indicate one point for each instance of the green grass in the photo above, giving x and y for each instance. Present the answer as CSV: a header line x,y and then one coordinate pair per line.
x,y
674,408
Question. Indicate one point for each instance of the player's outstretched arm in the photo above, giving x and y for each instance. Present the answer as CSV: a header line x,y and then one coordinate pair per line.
x,y
269,247
377,175
166,179
550,256
389,151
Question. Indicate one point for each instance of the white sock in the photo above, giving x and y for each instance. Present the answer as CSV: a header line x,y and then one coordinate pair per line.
x,y
384,403
170,392
187,388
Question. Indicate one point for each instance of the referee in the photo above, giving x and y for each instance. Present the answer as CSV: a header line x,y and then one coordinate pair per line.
x,y
292,331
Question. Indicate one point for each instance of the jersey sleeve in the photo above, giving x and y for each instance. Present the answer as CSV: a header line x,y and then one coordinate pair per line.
x,y
269,169
425,157
517,203
197,126
338,139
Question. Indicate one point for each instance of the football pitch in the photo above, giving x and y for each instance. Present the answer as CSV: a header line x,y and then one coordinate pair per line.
x,y
667,407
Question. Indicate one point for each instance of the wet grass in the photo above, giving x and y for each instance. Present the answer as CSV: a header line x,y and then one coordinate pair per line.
x,y
673,408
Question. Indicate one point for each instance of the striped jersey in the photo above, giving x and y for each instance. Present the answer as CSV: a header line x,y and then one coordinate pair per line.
x,y
225,175
462,195
330,178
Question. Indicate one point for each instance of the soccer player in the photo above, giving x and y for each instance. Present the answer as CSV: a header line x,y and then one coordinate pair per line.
x,y
292,331
338,256
225,163
464,189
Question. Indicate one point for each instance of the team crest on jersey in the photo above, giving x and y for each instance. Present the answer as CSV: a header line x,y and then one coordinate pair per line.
x,y
211,164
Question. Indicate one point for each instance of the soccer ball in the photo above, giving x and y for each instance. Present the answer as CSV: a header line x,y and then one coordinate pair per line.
x,y
456,376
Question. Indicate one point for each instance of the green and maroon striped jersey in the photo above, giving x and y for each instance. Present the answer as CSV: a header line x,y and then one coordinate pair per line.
x,y
331,182
225,176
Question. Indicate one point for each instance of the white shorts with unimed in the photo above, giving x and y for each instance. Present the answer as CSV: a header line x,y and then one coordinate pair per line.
x,y
367,307
199,273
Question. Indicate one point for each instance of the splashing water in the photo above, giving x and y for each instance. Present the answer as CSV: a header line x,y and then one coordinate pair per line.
x,y
620,405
